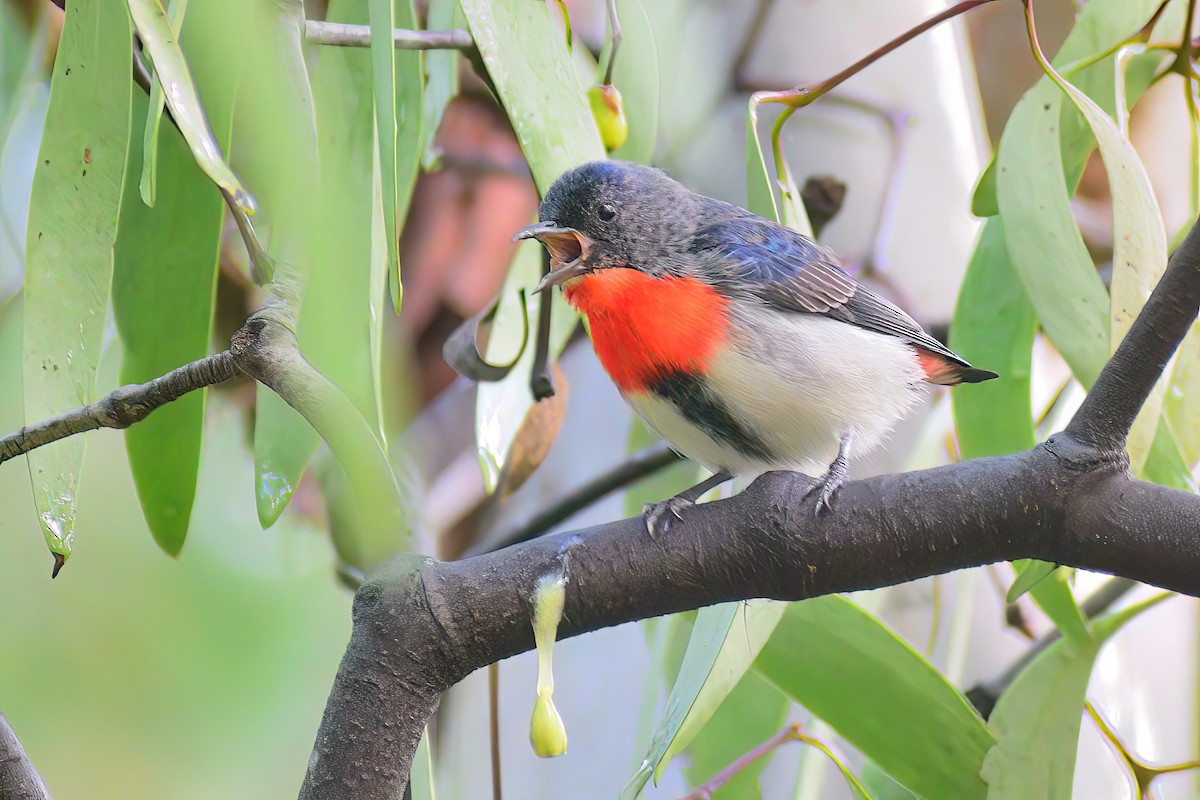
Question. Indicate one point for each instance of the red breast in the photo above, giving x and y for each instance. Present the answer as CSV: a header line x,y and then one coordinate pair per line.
x,y
644,327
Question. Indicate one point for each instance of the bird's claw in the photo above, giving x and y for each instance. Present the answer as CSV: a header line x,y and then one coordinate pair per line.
x,y
658,515
824,488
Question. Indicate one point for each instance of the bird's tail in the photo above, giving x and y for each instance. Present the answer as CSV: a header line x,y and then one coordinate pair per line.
x,y
947,372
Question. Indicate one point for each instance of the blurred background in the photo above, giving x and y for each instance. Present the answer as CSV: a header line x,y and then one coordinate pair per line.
x,y
135,675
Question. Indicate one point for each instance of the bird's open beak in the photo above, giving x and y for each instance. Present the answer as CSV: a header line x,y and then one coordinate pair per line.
x,y
567,248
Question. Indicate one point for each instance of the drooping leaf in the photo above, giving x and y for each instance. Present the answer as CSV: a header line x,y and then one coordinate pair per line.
x,y
536,82
1139,245
164,286
148,186
73,213
441,81
399,90
724,642
1036,721
760,196
635,74
181,97
882,696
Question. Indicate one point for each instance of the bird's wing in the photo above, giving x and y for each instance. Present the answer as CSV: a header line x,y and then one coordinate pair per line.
x,y
787,270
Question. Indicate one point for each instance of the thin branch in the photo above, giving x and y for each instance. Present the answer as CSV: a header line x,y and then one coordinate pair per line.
x,y
1108,411
638,466
338,34
121,407
19,780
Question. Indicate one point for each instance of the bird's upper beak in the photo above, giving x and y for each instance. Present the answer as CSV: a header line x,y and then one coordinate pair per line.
x,y
567,248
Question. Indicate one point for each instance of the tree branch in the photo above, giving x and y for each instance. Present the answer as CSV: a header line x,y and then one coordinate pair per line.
x,y
18,778
341,34
121,407
421,625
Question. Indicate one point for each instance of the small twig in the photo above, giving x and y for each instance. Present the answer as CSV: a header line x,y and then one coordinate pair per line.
x,y
121,407
338,34
1142,773
639,465
614,27
19,780
751,38
494,727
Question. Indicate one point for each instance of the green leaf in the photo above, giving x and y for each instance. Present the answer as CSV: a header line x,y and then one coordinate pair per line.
x,y
753,712
882,696
983,200
994,326
533,73
536,81
760,196
1139,245
181,97
1030,573
636,75
164,286
1043,240
399,84
73,212
1036,721
725,640
441,81
148,186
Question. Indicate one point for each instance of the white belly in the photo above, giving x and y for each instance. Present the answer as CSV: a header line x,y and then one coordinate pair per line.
x,y
800,383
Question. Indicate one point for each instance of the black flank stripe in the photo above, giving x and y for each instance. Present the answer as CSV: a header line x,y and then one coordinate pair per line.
x,y
696,402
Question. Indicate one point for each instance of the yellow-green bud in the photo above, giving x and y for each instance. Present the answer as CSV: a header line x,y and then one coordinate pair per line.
x,y
609,110
547,733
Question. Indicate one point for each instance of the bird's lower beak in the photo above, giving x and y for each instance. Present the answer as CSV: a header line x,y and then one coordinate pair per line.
x,y
567,248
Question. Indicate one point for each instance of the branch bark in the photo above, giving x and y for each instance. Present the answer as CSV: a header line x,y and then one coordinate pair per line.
x,y
422,625
19,780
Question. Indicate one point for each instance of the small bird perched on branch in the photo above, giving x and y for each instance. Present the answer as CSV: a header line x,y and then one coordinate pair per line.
x,y
740,341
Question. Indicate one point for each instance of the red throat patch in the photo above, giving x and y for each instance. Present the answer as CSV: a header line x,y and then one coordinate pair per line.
x,y
644,327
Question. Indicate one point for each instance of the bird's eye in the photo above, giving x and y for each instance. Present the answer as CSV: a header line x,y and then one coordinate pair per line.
x,y
607,212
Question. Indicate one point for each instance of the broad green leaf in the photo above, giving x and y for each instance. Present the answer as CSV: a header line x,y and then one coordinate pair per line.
x,y
1036,721
165,280
983,199
882,786
1030,572
994,327
636,75
73,212
532,72
441,81
148,187
180,94
725,640
399,83
883,697
1044,243
1139,245
753,712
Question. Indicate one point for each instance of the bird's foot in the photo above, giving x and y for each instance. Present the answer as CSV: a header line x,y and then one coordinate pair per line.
x,y
825,488
658,516
828,484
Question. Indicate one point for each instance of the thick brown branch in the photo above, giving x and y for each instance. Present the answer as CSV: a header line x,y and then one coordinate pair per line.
x,y
121,407
421,625
18,778
1108,411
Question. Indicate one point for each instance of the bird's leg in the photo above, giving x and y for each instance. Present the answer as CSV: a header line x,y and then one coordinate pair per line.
x,y
827,485
658,515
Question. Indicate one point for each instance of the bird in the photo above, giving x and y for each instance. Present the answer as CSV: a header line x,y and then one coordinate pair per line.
x,y
741,342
